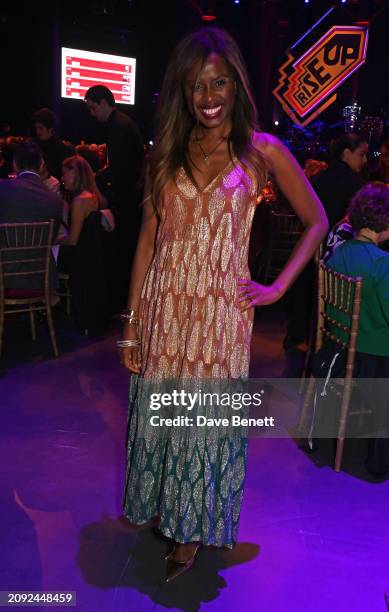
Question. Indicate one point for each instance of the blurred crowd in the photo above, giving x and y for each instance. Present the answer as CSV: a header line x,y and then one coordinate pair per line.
x,y
98,189
100,186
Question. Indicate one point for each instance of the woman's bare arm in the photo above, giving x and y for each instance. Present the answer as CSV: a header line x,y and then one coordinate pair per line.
x,y
130,357
79,213
299,193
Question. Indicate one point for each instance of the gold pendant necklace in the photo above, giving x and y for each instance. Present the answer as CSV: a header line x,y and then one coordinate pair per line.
x,y
206,156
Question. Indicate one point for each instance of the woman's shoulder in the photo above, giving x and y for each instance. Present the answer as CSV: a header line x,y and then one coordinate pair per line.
x,y
85,198
269,146
266,143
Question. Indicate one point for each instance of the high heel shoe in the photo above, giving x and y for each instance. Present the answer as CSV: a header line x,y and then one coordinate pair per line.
x,y
176,568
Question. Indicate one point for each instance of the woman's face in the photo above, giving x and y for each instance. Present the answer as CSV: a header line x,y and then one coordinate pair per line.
x,y
69,176
210,91
356,159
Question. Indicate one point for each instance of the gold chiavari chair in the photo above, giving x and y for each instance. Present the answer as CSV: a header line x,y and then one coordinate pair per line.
x,y
25,253
337,293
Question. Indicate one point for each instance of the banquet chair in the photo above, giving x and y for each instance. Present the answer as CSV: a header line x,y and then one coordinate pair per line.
x,y
25,255
284,232
337,292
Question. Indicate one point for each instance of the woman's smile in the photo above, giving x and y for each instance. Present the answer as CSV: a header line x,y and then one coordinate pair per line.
x,y
211,112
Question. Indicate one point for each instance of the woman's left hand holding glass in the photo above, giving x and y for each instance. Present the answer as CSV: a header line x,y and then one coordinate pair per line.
x,y
252,294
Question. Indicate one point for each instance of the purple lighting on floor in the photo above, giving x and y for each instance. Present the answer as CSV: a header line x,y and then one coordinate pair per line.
x,y
62,457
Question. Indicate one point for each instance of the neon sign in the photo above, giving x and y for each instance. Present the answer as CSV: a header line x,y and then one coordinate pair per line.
x,y
308,82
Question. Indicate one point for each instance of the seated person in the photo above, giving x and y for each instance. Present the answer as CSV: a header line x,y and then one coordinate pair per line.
x,y
361,256
7,154
83,253
79,182
25,199
343,231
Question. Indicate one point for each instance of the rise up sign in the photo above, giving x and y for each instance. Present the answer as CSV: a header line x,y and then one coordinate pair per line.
x,y
309,79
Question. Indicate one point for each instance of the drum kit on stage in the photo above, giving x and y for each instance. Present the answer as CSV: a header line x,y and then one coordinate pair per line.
x,y
312,140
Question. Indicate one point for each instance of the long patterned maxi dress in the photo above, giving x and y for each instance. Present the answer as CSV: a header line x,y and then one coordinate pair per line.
x,y
192,328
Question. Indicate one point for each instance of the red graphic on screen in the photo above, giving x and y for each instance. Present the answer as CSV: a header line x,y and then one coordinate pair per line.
x,y
83,69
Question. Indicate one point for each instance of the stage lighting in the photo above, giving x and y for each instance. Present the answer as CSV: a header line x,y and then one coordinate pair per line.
x,y
306,1
276,123
209,15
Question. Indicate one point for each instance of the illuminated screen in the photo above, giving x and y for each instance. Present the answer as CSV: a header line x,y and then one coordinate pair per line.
x,y
82,69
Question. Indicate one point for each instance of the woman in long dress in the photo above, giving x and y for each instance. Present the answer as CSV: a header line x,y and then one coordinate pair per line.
x,y
190,305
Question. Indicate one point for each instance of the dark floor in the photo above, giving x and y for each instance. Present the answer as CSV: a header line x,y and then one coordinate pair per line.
x,y
310,540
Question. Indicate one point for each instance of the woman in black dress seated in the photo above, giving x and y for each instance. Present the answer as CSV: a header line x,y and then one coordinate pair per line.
x,y
83,253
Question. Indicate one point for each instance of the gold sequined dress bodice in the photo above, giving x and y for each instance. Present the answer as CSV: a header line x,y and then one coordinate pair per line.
x,y
191,325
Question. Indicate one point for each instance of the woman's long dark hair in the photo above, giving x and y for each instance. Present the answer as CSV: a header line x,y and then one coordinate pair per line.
x,y
175,122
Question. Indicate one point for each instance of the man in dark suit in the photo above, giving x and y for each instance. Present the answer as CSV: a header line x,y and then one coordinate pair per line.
x,y
25,199
336,186
124,145
119,181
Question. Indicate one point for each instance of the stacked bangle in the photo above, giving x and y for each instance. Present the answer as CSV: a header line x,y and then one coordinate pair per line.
x,y
127,343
